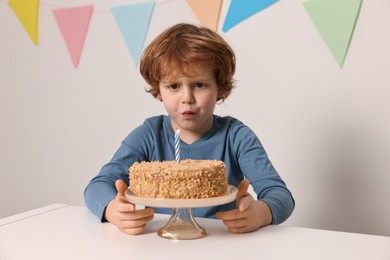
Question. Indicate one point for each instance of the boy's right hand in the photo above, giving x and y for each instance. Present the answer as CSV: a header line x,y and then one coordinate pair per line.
x,y
123,214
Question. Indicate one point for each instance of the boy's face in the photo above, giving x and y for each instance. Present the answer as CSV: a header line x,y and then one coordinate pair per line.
x,y
190,101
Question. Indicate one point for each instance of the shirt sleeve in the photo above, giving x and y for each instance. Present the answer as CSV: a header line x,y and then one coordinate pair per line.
x,y
258,169
101,189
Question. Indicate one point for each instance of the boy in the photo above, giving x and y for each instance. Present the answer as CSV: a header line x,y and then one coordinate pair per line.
x,y
189,69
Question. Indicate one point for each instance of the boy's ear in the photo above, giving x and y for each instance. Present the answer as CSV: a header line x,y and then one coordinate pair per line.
x,y
221,94
159,97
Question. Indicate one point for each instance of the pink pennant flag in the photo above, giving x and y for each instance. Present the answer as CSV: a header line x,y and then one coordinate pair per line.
x,y
73,23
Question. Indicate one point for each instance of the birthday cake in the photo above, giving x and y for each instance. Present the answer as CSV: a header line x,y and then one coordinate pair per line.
x,y
188,179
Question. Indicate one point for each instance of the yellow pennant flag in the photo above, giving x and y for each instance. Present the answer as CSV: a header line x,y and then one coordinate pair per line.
x,y
207,12
27,12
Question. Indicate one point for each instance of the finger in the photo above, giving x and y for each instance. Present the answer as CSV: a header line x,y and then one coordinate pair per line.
x,y
239,230
121,187
244,203
242,189
229,215
133,231
130,223
138,214
134,227
234,221
126,207
235,224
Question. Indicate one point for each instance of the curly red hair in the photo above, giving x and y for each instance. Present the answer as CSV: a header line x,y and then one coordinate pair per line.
x,y
179,47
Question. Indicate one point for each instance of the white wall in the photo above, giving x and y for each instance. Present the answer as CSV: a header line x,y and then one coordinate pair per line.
x,y
326,129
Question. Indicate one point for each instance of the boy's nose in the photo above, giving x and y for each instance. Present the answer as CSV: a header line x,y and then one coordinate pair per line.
x,y
188,96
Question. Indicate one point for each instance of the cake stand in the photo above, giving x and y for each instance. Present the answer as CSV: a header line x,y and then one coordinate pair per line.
x,y
182,225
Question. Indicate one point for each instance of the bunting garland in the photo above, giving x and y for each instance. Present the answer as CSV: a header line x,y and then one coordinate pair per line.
x,y
73,23
239,10
133,21
334,19
27,13
209,16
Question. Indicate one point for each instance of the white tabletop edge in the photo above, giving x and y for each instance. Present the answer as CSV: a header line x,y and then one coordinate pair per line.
x,y
30,213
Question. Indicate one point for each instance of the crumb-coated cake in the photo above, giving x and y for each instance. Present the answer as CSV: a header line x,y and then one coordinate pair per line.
x,y
188,179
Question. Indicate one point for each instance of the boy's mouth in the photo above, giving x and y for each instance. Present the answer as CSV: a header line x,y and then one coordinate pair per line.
x,y
188,114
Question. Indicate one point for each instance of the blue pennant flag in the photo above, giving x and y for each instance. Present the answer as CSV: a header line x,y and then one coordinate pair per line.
x,y
239,10
133,21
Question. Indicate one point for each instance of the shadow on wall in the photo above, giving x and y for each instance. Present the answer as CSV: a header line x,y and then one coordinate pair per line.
x,y
356,190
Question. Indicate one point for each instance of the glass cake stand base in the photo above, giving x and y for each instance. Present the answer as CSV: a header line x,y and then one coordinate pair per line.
x,y
182,225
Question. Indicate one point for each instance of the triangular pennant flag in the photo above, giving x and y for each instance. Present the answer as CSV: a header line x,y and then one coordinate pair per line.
x,y
239,10
207,12
133,21
27,12
335,20
73,23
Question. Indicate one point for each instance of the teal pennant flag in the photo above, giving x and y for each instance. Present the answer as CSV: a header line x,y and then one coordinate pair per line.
x,y
239,10
133,20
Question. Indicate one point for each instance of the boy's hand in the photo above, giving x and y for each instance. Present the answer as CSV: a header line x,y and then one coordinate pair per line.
x,y
123,214
250,214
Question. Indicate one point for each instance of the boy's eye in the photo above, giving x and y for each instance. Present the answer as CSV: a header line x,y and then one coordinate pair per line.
x,y
173,86
199,85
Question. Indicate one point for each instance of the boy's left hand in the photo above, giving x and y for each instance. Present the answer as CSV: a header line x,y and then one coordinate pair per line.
x,y
250,214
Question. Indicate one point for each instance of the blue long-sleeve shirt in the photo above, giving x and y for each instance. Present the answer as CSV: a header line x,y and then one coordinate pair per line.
x,y
229,140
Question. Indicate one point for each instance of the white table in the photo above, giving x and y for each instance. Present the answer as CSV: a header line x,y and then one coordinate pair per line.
x,y
61,231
